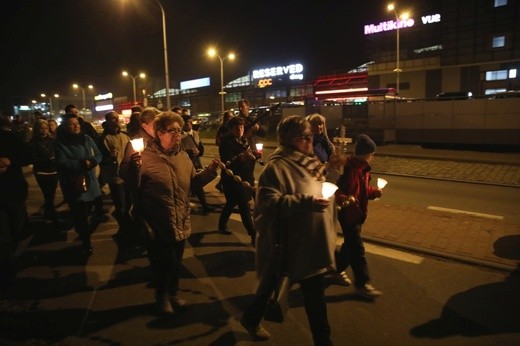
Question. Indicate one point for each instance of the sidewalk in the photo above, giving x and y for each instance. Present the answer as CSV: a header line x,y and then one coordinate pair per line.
x,y
460,237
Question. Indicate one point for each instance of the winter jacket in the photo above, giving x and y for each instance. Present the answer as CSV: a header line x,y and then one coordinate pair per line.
x,y
164,182
355,181
284,202
109,166
71,161
42,155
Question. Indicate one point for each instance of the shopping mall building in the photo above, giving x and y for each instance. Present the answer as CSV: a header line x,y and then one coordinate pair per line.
x,y
450,46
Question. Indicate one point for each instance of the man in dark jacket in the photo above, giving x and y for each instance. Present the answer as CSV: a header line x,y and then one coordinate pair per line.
x,y
237,155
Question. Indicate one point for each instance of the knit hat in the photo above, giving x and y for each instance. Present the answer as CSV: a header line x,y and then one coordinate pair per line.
x,y
364,145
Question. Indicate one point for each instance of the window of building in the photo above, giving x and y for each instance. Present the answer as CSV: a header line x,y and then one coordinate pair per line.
x,y
496,75
499,3
233,97
499,41
512,73
276,93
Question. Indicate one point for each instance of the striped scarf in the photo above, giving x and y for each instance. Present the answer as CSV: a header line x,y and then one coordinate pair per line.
x,y
311,163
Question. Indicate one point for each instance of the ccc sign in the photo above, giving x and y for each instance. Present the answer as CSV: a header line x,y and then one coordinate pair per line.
x,y
262,83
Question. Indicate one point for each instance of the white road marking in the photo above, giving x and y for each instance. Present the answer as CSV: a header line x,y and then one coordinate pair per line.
x,y
457,211
374,249
388,252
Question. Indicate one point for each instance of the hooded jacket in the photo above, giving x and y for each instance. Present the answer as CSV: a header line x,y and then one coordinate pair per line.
x,y
355,181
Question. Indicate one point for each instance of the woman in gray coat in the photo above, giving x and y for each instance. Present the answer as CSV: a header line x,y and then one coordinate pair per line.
x,y
164,176
289,200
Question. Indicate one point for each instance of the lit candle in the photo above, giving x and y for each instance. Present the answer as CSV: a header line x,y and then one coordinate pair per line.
x,y
137,144
381,183
328,189
259,147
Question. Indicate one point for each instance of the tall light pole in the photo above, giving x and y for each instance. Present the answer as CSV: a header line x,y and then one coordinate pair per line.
x,y
141,75
50,101
397,70
165,46
231,56
76,86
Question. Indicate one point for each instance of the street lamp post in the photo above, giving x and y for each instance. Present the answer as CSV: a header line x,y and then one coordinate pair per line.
x,y
231,56
397,70
165,45
50,101
141,75
76,86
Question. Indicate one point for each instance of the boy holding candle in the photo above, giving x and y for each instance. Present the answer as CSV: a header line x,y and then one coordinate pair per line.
x,y
352,196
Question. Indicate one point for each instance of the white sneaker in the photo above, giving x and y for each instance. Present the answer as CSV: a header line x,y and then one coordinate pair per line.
x,y
368,291
341,279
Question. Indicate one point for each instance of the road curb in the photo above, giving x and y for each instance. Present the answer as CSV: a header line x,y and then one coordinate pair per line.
x,y
440,254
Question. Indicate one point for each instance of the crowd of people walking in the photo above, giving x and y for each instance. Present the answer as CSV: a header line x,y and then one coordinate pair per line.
x,y
151,188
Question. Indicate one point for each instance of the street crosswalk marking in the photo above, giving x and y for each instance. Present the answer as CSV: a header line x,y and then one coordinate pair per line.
x,y
373,249
458,211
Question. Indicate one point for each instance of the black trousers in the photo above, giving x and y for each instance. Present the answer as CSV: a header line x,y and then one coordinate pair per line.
x,y
352,253
166,264
80,213
48,185
237,195
313,289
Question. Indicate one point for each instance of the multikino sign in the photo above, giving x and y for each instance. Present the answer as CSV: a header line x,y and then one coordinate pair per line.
x,y
294,71
400,24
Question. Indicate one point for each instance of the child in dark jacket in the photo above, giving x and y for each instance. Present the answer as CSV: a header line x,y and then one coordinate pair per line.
x,y
352,196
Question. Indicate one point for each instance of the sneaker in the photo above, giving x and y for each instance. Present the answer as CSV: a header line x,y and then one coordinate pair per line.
x,y
368,291
341,279
257,332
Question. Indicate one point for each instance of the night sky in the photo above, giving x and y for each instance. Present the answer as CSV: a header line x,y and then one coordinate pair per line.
x,y
45,46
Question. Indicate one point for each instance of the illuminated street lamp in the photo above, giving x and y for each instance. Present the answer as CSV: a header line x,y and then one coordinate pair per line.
x,y
165,47
231,56
50,101
141,75
76,86
398,18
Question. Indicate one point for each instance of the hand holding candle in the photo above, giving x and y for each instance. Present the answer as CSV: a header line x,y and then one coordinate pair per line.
x,y
137,144
328,189
259,147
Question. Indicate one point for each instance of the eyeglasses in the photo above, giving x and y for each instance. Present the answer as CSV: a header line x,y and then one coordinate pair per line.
x,y
172,131
307,137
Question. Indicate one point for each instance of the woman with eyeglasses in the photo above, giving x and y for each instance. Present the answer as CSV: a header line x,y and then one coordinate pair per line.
x,y
289,201
163,176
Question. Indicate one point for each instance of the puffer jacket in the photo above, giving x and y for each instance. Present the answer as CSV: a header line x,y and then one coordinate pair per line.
x,y
284,202
355,181
164,183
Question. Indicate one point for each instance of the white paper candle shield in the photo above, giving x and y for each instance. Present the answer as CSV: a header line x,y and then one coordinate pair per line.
x,y
259,146
328,189
137,144
381,183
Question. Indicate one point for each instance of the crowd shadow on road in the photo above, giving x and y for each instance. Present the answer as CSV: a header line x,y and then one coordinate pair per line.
x,y
483,310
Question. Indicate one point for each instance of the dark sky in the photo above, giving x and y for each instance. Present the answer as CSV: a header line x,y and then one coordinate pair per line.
x,y
45,46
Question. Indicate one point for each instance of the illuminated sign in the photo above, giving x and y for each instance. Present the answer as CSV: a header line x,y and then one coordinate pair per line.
x,y
195,83
400,24
100,97
262,83
294,71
